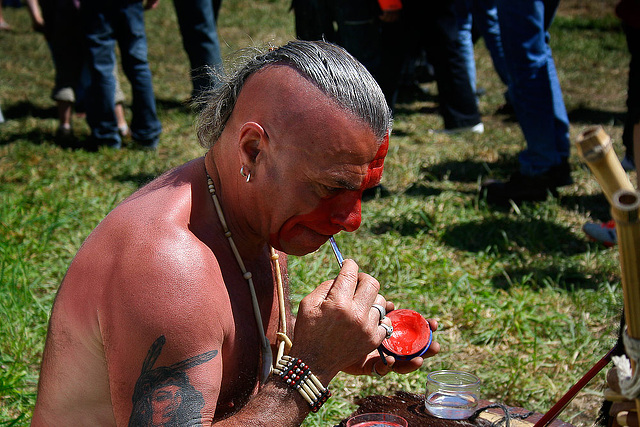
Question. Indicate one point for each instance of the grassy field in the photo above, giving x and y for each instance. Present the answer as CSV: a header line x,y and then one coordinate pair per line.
x,y
524,300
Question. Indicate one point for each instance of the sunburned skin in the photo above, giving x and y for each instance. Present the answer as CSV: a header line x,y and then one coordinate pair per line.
x,y
338,212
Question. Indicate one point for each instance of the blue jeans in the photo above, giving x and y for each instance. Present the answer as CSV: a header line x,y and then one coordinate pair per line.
x,y
534,87
434,26
105,24
197,21
484,15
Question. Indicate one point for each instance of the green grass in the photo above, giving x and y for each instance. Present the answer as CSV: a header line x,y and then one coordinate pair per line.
x,y
523,299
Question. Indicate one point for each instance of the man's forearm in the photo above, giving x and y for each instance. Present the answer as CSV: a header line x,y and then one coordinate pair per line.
x,y
276,404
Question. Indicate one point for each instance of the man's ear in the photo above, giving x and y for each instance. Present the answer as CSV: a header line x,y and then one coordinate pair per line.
x,y
252,139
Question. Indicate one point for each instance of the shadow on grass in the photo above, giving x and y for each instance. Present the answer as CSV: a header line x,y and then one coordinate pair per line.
x,y
557,276
596,204
139,179
589,116
421,189
28,109
39,136
409,109
35,136
409,224
174,104
504,236
469,170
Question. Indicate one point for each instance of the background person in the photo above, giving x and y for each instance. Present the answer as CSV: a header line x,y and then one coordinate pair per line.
x,y
121,22
536,96
198,26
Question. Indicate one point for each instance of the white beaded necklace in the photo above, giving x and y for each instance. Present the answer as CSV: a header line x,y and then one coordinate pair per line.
x,y
285,343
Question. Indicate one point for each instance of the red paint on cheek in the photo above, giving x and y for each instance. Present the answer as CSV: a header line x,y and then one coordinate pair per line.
x,y
337,213
411,332
374,173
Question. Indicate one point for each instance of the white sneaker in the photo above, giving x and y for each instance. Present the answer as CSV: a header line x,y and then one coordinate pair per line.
x,y
477,129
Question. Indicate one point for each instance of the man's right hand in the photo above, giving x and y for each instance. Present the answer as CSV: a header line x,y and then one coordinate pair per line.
x,y
337,325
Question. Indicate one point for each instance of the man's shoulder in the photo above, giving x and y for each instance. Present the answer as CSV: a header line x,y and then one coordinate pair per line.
x,y
150,233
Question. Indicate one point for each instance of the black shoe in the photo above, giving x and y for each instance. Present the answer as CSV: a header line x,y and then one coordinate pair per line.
x,y
505,109
93,144
532,188
65,138
147,145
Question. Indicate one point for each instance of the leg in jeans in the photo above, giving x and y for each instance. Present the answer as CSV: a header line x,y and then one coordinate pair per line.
x,y
314,20
102,59
535,89
458,104
197,21
358,30
485,18
435,26
145,126
464,10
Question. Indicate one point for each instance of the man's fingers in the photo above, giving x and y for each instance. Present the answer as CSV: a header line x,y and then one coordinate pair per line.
x,y
344,286
380,369
367,288
386,328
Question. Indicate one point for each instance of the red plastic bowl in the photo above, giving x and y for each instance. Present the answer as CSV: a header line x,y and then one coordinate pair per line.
x,y
411,335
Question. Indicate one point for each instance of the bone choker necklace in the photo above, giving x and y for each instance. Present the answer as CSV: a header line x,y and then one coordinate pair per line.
x,y
284,341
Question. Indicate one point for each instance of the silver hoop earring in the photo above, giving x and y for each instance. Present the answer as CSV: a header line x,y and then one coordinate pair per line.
x,y
248,176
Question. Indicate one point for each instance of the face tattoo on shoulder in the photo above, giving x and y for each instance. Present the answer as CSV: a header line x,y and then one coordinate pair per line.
x,y
163,396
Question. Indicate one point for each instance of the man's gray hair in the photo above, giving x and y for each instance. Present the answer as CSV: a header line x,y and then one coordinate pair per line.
x,y
329,67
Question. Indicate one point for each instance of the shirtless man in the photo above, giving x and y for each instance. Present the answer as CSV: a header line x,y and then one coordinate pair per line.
x,y
154,322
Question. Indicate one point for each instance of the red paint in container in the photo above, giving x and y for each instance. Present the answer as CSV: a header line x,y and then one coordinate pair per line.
x,y
411,335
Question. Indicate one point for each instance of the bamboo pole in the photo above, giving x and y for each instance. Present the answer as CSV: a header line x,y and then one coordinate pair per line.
x,y
594,146
625,209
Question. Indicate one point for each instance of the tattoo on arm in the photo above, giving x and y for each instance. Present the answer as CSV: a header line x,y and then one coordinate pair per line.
x,y
163,396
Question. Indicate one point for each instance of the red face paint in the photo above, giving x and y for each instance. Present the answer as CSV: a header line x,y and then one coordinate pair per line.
x,y
411,335
339,212
374,173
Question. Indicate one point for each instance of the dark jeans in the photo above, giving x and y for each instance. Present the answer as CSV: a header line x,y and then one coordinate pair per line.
x,y
197,21
106,23
534,86
379,46
64,34
434,27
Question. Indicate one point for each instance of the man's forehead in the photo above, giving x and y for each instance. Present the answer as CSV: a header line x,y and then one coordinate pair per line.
x,y
297,114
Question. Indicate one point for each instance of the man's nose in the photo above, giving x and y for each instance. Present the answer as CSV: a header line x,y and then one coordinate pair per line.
x,y
347,210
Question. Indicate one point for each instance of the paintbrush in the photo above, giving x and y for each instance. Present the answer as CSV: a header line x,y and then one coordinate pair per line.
x,y
340,259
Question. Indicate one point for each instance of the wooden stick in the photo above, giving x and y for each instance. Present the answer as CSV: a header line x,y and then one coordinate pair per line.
x,y
625,209
556,409
594,146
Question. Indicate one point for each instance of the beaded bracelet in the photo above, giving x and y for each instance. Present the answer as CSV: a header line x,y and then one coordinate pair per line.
x,y
298,376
